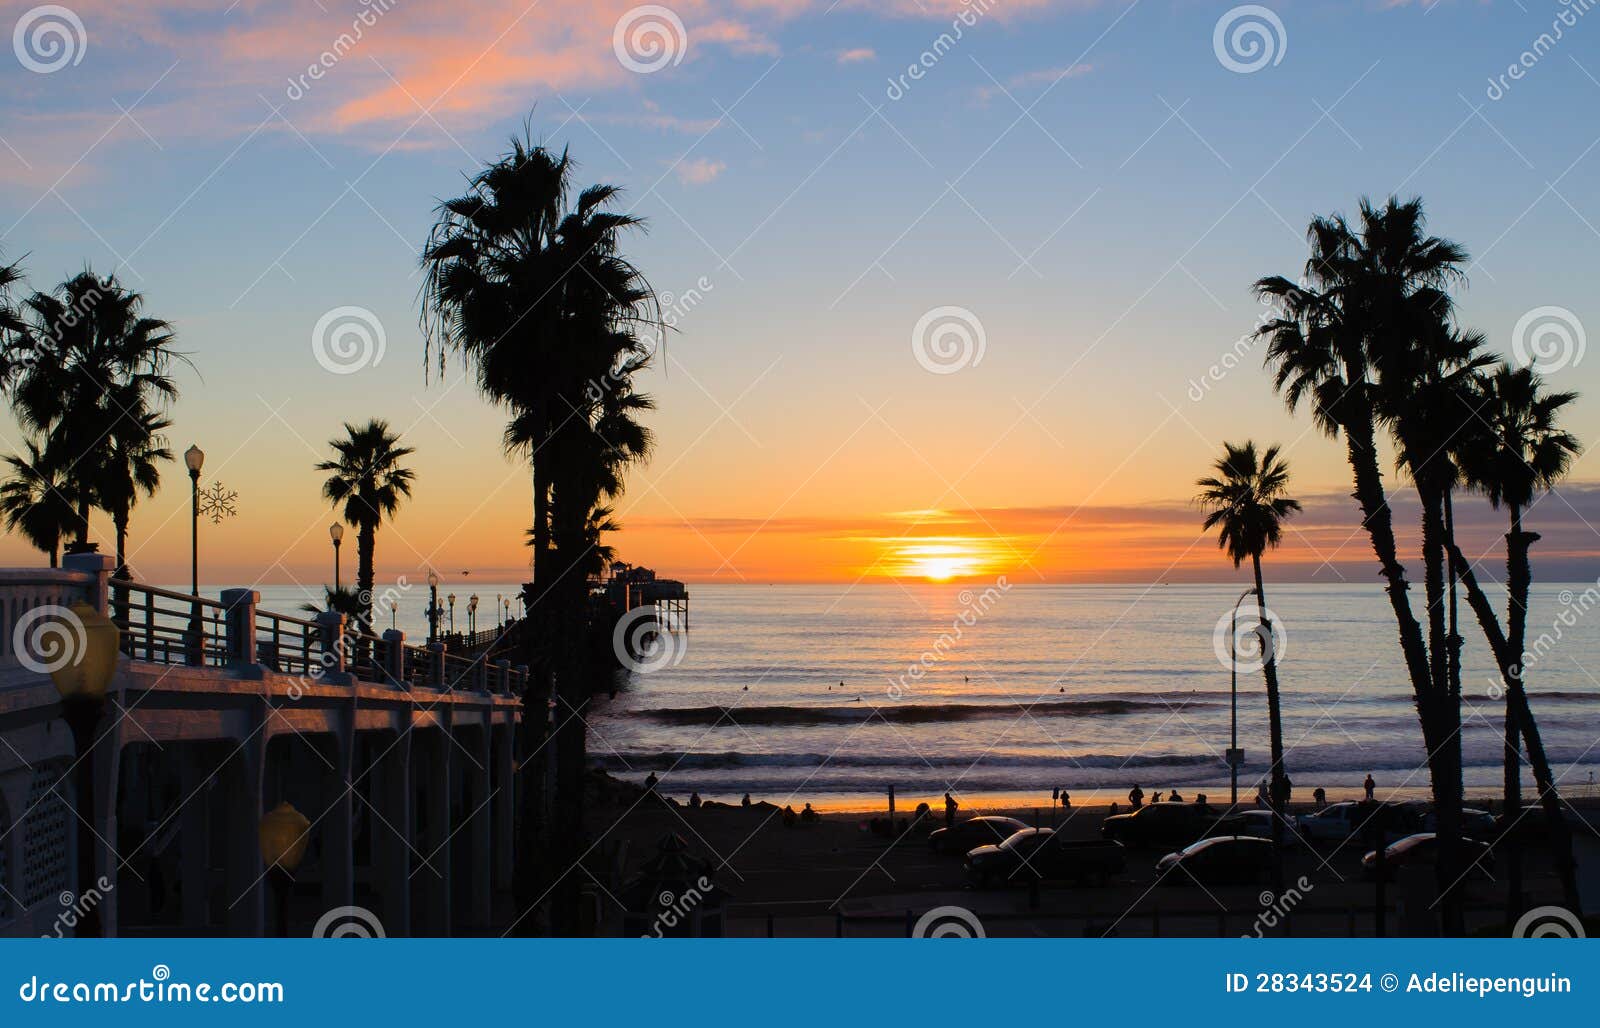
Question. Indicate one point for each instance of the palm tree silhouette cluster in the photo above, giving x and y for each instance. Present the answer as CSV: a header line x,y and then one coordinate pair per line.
x,y
1367,340
88,375
526,285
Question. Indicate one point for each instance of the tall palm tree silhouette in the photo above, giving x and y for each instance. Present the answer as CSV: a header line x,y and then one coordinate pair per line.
x,y
538,301
368,478
1346,341
1247,501
132,468
1513,449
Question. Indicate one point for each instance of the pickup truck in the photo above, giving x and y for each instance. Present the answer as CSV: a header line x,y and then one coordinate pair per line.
x,y
1038,854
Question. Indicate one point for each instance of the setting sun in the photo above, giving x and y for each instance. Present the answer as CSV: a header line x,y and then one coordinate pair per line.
x,y
940,560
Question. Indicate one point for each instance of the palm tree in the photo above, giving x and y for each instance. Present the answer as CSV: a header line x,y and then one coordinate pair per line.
x,y
137,448
1346,341
541,306
1515,450
34,502
368,478
1246,501
85,361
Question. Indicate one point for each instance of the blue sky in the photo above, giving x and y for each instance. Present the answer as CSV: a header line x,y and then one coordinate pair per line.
x,y
1089,180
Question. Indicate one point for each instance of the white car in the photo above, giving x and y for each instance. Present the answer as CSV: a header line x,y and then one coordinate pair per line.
x,y
1335,822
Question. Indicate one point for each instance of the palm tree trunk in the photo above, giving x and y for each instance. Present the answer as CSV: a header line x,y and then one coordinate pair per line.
x,y
1510,663
1516,620
572,692
1442,716
1379,522
119,593
366,548
83,516
1277,792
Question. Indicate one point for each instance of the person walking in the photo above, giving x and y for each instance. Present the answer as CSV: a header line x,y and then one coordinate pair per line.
x,y
950,807
1370,786
1135,797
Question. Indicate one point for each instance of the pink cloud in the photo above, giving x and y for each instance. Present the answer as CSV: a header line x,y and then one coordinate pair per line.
x,y
699,171
856,55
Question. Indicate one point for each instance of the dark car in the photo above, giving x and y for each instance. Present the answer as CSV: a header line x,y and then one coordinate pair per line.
x,y
977,831
1038,854
1220,860
1423,848
1159,824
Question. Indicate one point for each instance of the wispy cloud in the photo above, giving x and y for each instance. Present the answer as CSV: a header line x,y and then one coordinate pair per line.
x,y
698,171
856,55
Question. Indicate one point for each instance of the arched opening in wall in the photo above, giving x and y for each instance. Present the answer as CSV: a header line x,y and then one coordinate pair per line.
x,y
381,818
470,813
302,769
150,803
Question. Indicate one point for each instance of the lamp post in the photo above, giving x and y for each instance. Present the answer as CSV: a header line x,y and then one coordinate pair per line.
x,y
284,833
472,614
194,458
82,682
336,533
1235,758
433,607
507,619
452,599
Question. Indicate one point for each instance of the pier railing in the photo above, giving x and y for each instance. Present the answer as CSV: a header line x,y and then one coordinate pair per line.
x,y
165,626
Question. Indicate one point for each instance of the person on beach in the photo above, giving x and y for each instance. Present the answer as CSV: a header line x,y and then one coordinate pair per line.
x,y
1173,797
1285,787
745,802
694,801
1066,801
1370,786
808,815
1135,797
1319,796
950,807
650,782
789,816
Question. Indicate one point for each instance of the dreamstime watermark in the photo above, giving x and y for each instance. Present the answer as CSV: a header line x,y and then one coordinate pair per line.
x,y
649,38
676,909
348,339
1235,355
1275,908
1573,607
48,638
1548,339
48,38
1548,923
973,607
1248,38
1500,85
674,308
75,908
348,923
948,923
366,18
948,339
331,652
158,988
1242,634
643,646
972,11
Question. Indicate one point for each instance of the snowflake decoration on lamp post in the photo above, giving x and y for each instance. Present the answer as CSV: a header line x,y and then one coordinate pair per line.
x,y
218,502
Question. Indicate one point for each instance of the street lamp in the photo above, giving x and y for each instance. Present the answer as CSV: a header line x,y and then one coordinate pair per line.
x,y
1235,757
472,614
336,533
433,607
284,833
507,619
82,682
194,458
452,599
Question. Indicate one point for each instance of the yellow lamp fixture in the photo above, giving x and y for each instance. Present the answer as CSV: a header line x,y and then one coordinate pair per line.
x,y
91,640
285,832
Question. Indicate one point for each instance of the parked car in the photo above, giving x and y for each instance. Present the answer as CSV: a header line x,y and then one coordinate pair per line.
x,y
1159,824
1041,854
976,831
1339,821
1256,824
1475,824
1423,848
1220,860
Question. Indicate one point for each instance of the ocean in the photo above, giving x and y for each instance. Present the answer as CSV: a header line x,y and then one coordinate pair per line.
x,y
808,694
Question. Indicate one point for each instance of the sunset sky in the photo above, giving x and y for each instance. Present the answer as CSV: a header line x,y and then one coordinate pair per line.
x,y
1089,179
